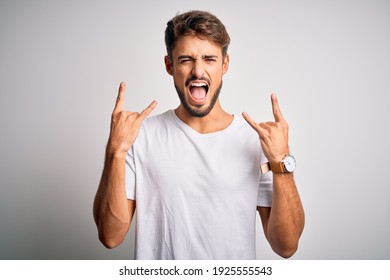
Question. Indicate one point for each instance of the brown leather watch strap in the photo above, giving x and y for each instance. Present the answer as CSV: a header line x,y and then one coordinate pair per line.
x,y
277,167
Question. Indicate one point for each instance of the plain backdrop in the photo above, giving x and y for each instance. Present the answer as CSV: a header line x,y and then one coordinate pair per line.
x,y
60,66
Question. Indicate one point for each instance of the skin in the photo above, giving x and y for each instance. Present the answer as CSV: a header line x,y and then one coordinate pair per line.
x,y
112,211
199,57
200,60
284,222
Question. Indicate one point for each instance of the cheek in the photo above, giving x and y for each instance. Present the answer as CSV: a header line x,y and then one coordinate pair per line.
x,y
179,80
179,75
215,70
216,75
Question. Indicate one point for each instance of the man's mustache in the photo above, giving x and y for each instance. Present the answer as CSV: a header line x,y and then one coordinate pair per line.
x,y
194,78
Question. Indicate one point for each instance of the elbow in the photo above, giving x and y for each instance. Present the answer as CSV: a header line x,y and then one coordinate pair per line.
x,y
285,248
287,252
112,237
110,243
285,245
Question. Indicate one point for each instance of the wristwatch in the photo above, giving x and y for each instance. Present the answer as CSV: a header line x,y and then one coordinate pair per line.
x,y
287,165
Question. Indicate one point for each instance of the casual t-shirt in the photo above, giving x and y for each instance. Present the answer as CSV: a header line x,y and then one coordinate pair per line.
x,y
196,194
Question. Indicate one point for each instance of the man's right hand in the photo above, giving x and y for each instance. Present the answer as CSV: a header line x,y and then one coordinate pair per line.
x,y
125,125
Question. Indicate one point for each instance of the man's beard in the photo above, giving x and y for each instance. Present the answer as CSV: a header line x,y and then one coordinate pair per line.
x,y
198,112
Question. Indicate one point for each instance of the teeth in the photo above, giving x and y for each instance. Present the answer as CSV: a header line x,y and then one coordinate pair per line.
x,y
199,84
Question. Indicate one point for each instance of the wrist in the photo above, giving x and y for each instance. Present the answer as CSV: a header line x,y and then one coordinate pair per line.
x,y
286,165
113,153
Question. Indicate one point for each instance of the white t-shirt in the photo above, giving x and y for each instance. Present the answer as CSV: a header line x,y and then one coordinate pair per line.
x,y
196,194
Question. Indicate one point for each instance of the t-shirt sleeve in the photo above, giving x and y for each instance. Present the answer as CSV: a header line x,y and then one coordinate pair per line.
x,y
130,175
264,195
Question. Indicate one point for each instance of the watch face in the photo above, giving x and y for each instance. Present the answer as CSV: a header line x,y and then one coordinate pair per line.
x,y
289,163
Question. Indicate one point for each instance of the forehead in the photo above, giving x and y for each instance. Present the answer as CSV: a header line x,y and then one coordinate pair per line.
x,y
195,46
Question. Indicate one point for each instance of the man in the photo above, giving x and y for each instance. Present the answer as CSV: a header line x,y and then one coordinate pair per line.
x,y
194,172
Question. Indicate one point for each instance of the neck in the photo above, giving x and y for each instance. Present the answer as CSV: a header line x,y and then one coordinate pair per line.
x,y
215,121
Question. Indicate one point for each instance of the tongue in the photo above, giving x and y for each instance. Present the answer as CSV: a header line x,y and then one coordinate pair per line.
x,y
198,92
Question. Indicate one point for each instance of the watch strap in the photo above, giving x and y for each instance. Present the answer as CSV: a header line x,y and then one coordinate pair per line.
x,y
264,168
275,167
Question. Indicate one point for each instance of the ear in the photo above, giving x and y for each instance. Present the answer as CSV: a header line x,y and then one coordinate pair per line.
x,y
168,65
225,65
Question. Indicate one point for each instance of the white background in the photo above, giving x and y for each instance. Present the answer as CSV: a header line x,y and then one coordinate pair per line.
x,y
62,61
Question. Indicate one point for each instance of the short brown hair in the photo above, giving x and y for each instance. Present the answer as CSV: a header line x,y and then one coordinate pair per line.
x,y
198,23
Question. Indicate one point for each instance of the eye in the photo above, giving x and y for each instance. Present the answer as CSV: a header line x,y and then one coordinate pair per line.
x,y
185,60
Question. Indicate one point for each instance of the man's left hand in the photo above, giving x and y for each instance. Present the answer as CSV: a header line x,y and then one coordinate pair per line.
x,y
273,134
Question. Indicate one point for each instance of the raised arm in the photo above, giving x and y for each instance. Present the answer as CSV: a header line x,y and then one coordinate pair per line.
x,y
112,210
282,223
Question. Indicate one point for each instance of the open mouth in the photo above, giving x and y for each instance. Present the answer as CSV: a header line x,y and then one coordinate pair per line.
x,y
198,90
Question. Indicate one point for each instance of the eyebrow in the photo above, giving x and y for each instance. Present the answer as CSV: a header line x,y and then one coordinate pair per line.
x,y
185,56
209,56
192,58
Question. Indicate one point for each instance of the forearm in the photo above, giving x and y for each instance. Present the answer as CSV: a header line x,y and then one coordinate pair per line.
x,y
111,208
286,220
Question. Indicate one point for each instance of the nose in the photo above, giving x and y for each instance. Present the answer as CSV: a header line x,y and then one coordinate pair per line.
x,y
198,69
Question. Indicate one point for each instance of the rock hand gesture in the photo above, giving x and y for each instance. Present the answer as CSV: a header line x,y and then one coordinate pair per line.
x,y
125,125
284,224
112,210
273,135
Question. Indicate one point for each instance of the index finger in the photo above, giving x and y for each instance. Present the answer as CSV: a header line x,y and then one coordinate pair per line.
x,y
120,100
275,109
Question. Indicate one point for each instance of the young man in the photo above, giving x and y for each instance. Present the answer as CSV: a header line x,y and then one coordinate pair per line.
x,y
194,173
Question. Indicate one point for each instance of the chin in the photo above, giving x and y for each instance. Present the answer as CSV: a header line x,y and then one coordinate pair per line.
x,y
198,111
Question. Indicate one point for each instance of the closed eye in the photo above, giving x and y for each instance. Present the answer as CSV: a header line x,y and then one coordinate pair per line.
x,y
185,59
210,58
